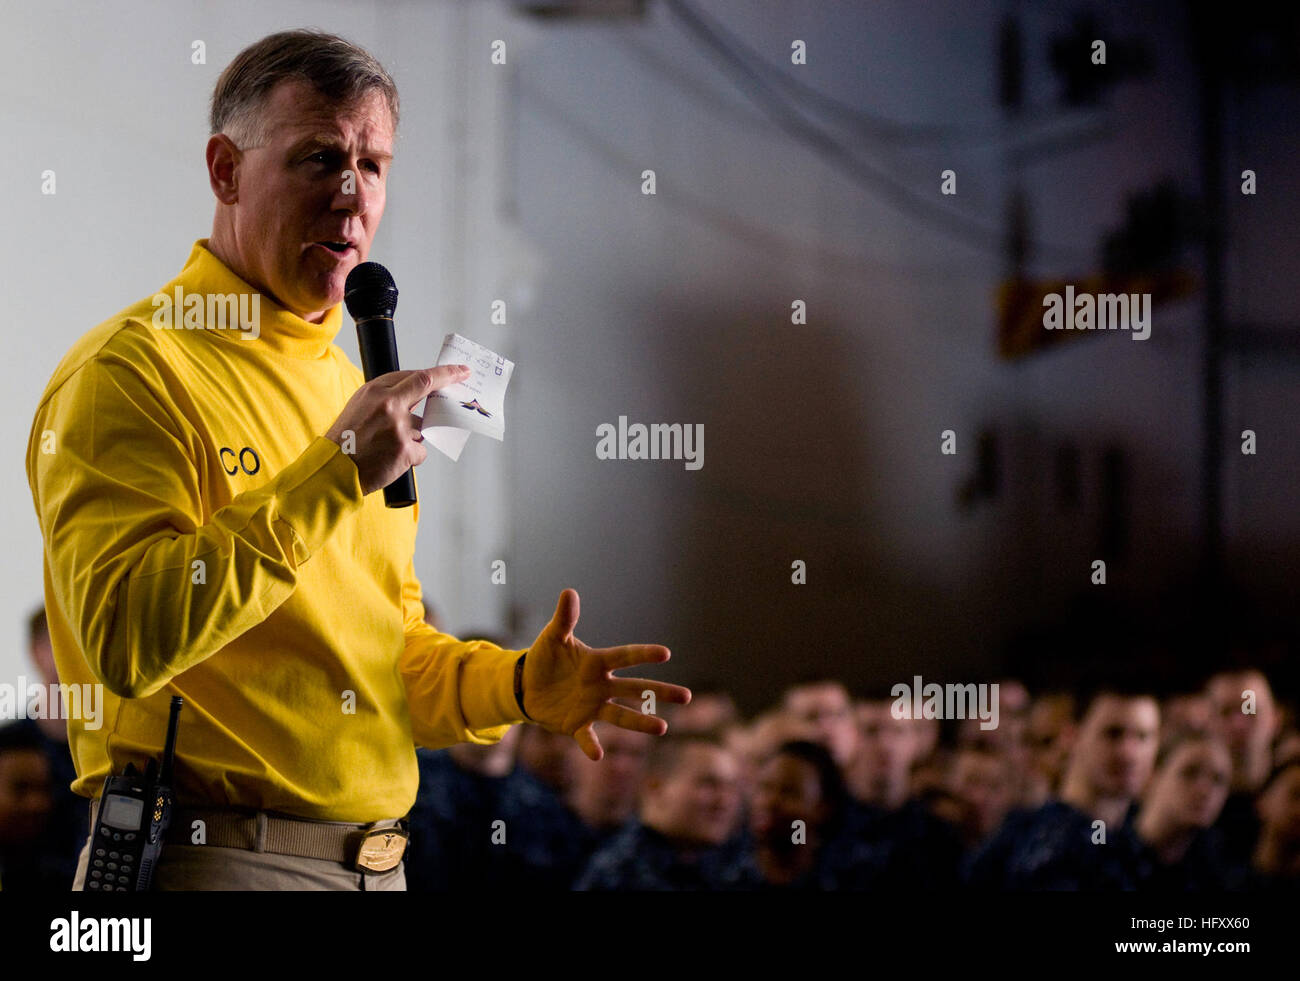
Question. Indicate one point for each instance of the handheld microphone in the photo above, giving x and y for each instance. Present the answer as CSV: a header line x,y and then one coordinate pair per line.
x,y
371,297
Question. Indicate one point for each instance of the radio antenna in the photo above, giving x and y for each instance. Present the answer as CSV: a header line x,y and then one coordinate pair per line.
x,y
169,749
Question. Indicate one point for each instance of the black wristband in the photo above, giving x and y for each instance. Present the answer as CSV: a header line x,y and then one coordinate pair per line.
x,y
519,685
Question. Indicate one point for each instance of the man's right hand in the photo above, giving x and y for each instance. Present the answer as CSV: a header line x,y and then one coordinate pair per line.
x,y
386,435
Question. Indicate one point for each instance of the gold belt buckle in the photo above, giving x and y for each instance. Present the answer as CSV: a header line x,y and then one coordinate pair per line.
x,y
381,850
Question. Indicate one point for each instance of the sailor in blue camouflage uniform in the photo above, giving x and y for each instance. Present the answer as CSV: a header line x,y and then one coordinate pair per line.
x,y
689,810
475,827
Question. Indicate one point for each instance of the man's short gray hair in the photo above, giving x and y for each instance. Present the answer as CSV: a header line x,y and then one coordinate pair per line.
x,y
335,67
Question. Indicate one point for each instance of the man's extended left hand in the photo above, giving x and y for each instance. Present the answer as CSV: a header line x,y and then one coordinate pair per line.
x,y
568,685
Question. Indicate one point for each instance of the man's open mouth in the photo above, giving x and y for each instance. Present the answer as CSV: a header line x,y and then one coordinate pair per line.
x,y
339,247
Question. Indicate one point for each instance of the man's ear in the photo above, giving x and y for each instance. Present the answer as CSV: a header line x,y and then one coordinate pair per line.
x,y
223,168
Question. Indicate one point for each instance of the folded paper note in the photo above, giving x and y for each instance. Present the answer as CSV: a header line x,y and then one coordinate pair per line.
x,y
476,405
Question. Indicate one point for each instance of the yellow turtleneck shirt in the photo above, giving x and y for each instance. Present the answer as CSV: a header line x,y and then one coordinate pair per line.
x,y
204,539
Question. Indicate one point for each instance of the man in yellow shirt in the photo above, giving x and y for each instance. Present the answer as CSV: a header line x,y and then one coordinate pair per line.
x,y
211,530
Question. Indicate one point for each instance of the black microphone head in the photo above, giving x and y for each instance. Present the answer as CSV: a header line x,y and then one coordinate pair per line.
x,y
370,292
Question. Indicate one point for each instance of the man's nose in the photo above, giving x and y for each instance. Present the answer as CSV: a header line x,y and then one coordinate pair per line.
x,y
1130,752
1240,722
353,195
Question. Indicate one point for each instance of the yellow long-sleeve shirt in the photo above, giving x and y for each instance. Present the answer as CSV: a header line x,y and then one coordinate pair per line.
x,y
202,538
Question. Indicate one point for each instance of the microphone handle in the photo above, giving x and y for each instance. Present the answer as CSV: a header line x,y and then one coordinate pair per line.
x,y
378,344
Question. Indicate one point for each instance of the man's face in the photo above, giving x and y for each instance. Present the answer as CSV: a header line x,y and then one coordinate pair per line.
x,y
982,782
295,193
490,760
1048,736
1119,744
886,749
25,800
788,790
551,757
699,801
826,710
1247,734
705,713
605,793
1192,784
1279,806
43,657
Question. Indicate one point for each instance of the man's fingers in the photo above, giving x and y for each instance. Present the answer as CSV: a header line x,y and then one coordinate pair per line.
x,y
446,374
409,386
415,424
626,718
566,613
418,383
634,689
589,743
613,658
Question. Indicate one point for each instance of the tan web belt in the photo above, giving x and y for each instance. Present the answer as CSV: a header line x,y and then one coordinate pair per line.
x,y
370,848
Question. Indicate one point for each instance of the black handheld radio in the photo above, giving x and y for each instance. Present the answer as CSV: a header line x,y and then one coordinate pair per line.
x,y
134,811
